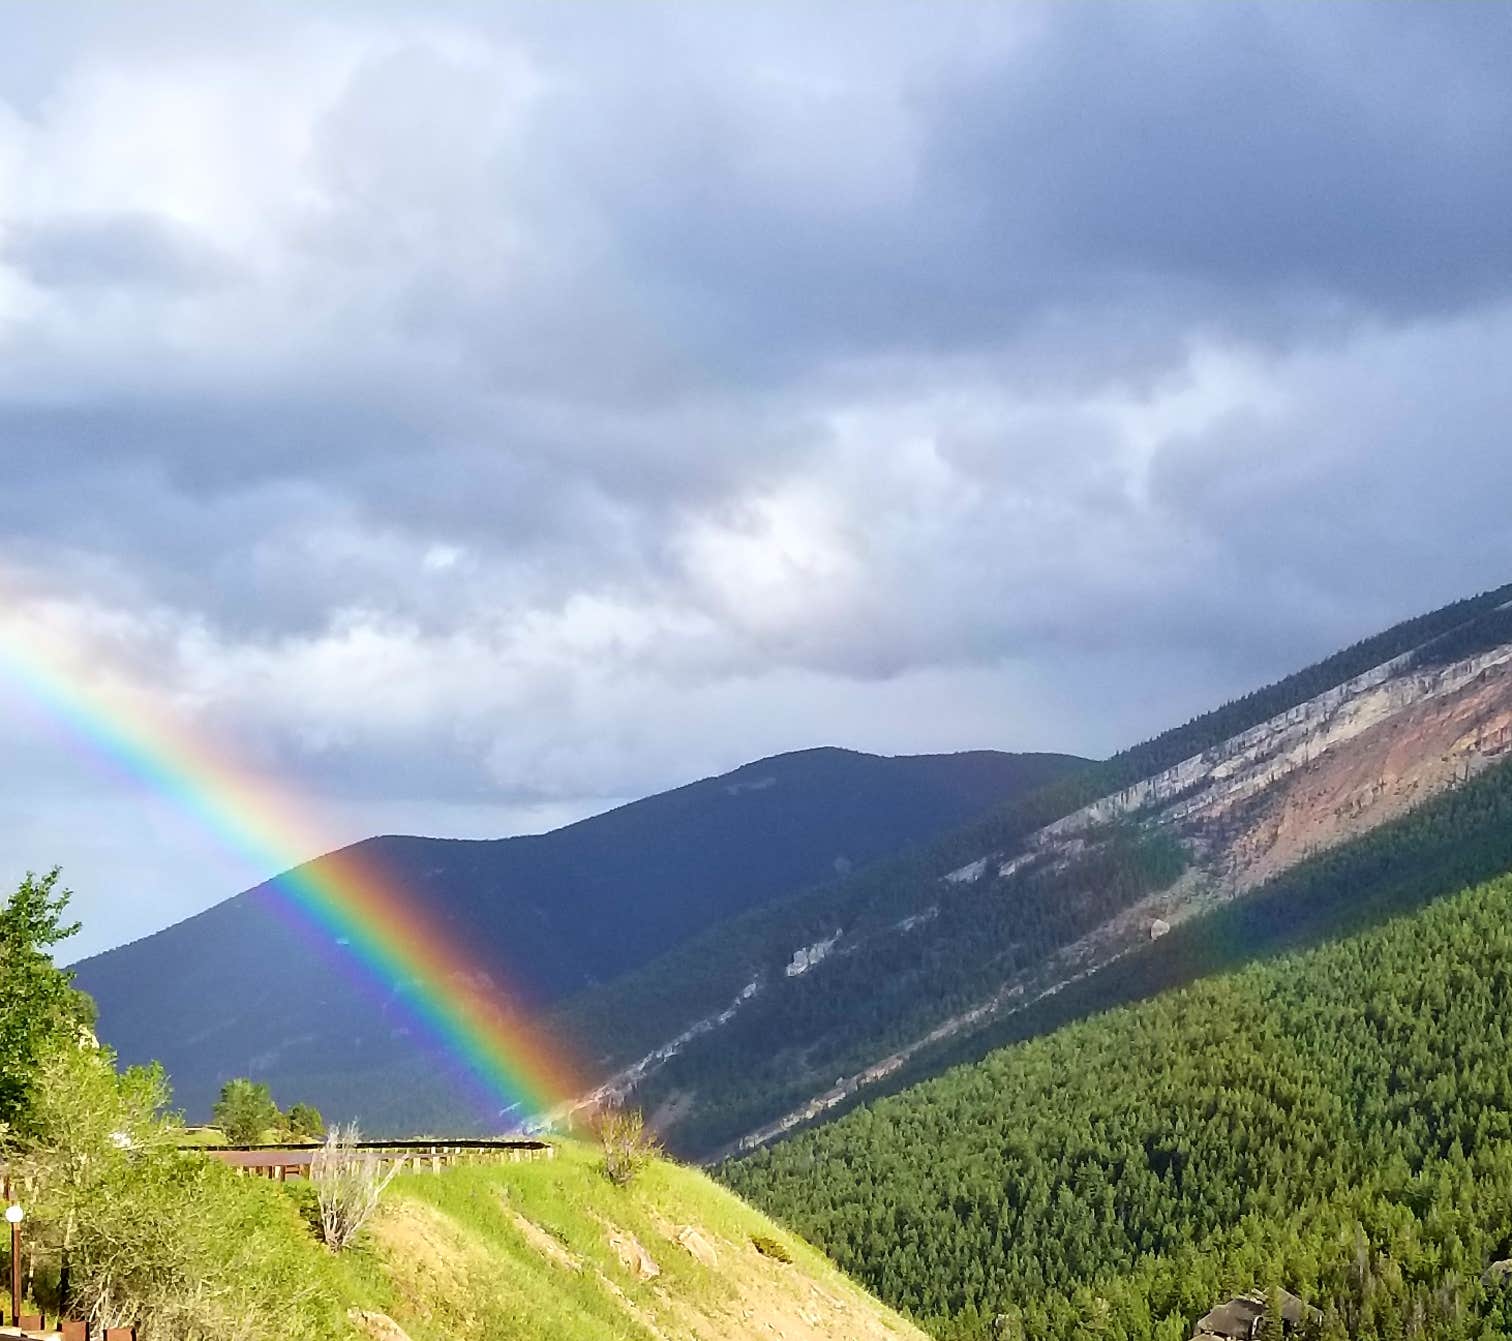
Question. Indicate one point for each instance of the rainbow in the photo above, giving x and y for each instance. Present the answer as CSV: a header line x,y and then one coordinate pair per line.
x,y
354,908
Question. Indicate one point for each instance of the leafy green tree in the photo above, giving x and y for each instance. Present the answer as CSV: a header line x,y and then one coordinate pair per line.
x,y
121,1226
87,1125
169,1242
38,1005
245,1111
304,1123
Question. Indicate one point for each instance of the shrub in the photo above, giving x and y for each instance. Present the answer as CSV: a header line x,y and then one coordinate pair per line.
x,y
348,1183
767,1246
187,1251
628,1144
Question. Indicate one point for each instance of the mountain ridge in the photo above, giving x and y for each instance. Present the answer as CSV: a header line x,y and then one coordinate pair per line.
x,y
547,913
1448,669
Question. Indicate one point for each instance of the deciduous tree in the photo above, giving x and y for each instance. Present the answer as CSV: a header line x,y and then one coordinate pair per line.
x,y
245,1111
38,1005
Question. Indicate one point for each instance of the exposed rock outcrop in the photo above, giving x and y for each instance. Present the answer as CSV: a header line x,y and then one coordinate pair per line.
x,y
699,1248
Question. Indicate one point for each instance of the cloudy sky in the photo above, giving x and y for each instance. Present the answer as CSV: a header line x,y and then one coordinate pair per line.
x,y
470,416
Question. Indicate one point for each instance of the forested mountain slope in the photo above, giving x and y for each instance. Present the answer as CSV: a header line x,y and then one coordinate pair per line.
x,y
237,990
790,1012
1337,1122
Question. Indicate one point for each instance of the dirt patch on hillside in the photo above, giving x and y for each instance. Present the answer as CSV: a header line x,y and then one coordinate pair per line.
x,y
1372,779
629,1251
543,1242
427,1254
770,1299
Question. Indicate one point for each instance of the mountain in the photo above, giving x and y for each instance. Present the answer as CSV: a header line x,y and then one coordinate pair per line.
x,y
238,990
1336,1122
1247,828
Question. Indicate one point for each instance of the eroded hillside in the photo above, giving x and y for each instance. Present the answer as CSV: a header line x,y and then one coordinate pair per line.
x,y
926,959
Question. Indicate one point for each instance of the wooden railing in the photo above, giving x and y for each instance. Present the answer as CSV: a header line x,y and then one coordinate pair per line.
x,y
294,1161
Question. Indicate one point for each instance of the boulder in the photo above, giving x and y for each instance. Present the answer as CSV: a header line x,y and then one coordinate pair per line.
x,y
700,1247
632,1255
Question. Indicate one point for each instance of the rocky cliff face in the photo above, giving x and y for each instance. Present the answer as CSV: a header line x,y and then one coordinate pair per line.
x,y
1314,776
1319,774
1202,790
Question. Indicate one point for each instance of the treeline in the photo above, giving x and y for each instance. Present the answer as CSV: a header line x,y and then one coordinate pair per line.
x,y
1212,728
1337,1122
1488,630
618,1022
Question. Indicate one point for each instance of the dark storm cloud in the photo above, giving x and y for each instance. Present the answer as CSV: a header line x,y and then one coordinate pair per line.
x,y
1242,168
1273,152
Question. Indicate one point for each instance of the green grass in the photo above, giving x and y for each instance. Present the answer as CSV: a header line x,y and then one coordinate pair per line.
x,y
204,1137
449,1258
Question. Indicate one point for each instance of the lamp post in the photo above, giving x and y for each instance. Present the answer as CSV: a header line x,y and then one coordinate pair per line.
x,y
15,1215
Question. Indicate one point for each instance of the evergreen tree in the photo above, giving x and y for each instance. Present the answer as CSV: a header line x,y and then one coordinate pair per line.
x,y
1273,1328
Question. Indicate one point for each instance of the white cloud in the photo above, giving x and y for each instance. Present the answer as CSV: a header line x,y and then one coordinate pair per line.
x,y
484,415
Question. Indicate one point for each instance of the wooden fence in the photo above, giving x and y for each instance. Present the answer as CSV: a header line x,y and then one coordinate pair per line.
x,y
294,1161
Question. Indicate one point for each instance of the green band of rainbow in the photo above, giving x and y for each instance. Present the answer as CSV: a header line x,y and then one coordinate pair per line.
x,y
353,903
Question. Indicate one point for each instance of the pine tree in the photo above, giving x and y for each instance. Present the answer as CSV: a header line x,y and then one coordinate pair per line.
x,y
1274,1327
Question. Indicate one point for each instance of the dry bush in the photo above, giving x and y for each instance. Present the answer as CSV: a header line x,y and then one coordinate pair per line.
x,y
628,1144
348,1183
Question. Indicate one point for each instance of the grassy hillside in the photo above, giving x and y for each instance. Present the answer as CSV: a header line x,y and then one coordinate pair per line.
x,y
129,1223
1338,1122
539,1252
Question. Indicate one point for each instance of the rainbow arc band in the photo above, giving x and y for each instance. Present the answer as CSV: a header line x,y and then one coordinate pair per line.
x,y
357,909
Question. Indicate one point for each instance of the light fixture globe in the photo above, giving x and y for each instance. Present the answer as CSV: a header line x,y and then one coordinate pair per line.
x,y
14,1214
